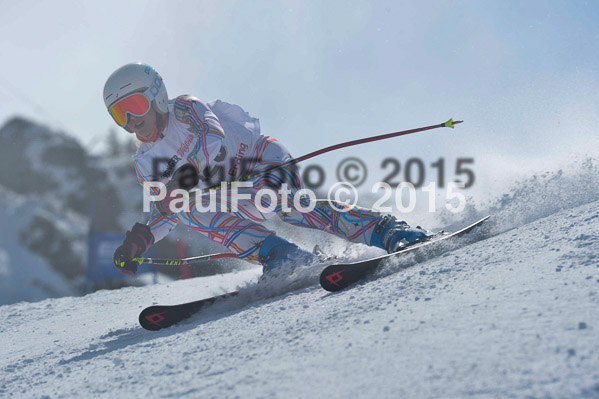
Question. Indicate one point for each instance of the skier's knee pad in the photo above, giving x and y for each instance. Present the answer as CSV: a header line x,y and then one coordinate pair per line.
x,y
276,253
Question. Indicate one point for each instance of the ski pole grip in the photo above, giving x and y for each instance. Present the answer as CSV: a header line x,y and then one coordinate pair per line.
x,y
139,261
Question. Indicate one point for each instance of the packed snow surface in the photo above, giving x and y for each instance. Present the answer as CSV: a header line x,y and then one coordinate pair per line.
x,y
515,314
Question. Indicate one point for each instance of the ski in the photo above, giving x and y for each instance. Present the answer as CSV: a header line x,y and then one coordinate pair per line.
x,y
337,277
157,317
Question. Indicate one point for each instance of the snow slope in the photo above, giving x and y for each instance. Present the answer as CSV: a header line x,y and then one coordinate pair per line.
x,y
515,315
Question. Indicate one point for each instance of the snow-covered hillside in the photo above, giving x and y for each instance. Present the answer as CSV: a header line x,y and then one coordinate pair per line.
x,y
513,315
45,211
25,275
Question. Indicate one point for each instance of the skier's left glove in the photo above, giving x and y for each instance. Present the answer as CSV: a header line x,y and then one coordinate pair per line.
x,y
137,241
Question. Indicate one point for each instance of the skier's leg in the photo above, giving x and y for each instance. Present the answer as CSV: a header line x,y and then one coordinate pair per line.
x,y
240,236
358,225
244,237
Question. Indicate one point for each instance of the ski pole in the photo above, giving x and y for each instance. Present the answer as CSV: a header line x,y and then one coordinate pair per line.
x,y
450,123
185,261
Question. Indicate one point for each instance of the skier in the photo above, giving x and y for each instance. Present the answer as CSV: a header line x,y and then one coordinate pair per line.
x,y
213,139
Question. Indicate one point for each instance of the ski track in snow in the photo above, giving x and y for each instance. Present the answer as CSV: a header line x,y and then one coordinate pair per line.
x,y
515,315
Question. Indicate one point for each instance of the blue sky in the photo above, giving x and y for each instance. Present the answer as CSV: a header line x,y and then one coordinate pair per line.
x,y
523,75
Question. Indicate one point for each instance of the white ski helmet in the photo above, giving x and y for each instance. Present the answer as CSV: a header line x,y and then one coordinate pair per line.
x,y
136,78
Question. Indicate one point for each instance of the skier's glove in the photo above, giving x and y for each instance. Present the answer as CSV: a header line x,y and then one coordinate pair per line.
x,y
137,241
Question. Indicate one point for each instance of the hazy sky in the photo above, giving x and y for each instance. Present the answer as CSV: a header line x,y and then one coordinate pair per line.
x,y
523,75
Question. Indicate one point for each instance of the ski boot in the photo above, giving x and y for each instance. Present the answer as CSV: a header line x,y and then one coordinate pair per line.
x,y
393,235
280,257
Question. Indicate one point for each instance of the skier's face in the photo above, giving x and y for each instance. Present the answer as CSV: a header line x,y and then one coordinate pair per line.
x,y
144,126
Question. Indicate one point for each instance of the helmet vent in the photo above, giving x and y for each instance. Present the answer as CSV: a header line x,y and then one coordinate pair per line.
x,y
128,84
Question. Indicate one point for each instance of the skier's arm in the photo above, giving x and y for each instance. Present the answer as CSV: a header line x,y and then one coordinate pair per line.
x,y
142,236
160,224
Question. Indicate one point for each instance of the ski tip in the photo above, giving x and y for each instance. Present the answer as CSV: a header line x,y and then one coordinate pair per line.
x,y
451,123
152,318
329,281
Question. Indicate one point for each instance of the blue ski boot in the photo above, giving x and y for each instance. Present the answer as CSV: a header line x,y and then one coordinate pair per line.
x,y
393,235
280,257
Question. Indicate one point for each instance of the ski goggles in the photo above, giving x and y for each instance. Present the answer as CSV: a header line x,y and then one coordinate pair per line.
x,y
135,104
